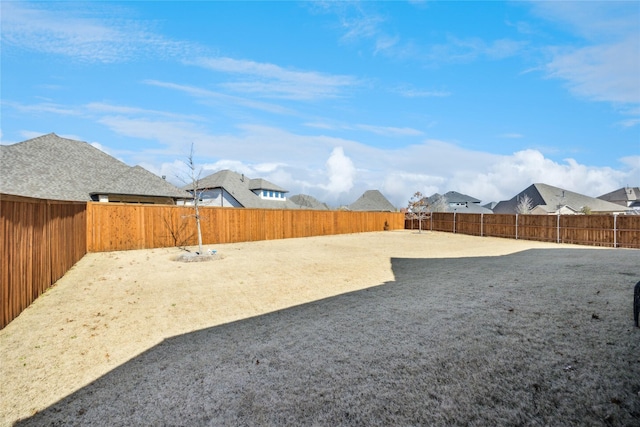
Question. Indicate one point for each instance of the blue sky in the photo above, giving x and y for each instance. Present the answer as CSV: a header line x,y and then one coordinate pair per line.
x,y
334,98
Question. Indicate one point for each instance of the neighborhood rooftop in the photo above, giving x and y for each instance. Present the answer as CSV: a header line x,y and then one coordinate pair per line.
x,y
372,200
549,199
52,167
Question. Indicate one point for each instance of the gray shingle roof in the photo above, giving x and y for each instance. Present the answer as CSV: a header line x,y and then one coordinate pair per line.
x,y
626,196
471,204
242,189
455,197
469,208
263,184
309,202
51,167
549,198
374,201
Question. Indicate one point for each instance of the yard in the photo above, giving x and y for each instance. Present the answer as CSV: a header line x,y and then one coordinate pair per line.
x,y
385,328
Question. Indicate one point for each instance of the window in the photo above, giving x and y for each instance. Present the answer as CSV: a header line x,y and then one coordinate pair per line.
x,y
264,193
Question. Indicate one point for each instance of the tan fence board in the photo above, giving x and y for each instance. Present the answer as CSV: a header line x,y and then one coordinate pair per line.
x,y
116,226
41,240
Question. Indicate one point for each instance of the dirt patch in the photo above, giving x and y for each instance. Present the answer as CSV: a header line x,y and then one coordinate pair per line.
x,y
197,257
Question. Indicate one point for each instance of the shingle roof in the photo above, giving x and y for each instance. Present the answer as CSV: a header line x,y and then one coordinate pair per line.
x,y
455,197
241,188
469,208
308,202
263,184
626,196
549,198
374,201
51,167
471,204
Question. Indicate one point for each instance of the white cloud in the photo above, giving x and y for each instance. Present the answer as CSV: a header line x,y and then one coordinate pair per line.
x,y
509,175
341,173
319,166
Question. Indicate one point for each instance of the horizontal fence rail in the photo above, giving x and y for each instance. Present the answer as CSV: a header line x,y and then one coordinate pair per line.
x,y
115,226
616,231
39,241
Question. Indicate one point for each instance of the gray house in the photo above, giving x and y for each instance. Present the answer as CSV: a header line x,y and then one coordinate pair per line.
x,y
548,200
452,201
231,189
372,201
626,196
55,168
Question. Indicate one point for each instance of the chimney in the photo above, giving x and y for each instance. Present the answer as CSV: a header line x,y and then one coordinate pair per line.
x,y
242,179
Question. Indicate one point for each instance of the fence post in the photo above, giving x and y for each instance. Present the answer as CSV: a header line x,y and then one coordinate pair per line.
x,y
454,221
516,226
431,221
558,229
615,230
481,224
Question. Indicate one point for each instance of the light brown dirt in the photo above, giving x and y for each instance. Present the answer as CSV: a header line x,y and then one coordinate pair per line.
x,y
110,307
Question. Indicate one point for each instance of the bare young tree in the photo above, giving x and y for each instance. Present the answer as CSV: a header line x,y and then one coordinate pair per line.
x,y
194,180
525,205
417,208
439,203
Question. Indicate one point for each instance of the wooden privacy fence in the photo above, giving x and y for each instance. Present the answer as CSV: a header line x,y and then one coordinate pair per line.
x,y
116,226
39,241
616,231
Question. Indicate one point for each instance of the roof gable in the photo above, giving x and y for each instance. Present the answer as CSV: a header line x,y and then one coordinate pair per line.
x,y
372,200
308,202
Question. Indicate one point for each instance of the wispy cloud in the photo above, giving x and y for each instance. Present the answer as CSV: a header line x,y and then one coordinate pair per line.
x,y
219,97
44,107
273,81
605,72
83,32
464,50
101,107
410,92
389,131
603,65
511,135
629,123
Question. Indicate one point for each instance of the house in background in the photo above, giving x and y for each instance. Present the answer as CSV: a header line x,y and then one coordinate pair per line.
x,y
548,200
372,201
56,168
309,202
626,196
453,201
227,188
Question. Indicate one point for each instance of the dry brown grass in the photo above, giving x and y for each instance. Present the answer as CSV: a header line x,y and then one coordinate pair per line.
x,y
380,328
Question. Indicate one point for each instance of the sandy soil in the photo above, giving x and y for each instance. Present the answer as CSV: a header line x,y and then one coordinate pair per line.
x,y
111,307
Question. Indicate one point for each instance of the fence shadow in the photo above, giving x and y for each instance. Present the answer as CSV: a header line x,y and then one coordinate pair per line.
x,y
510,338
